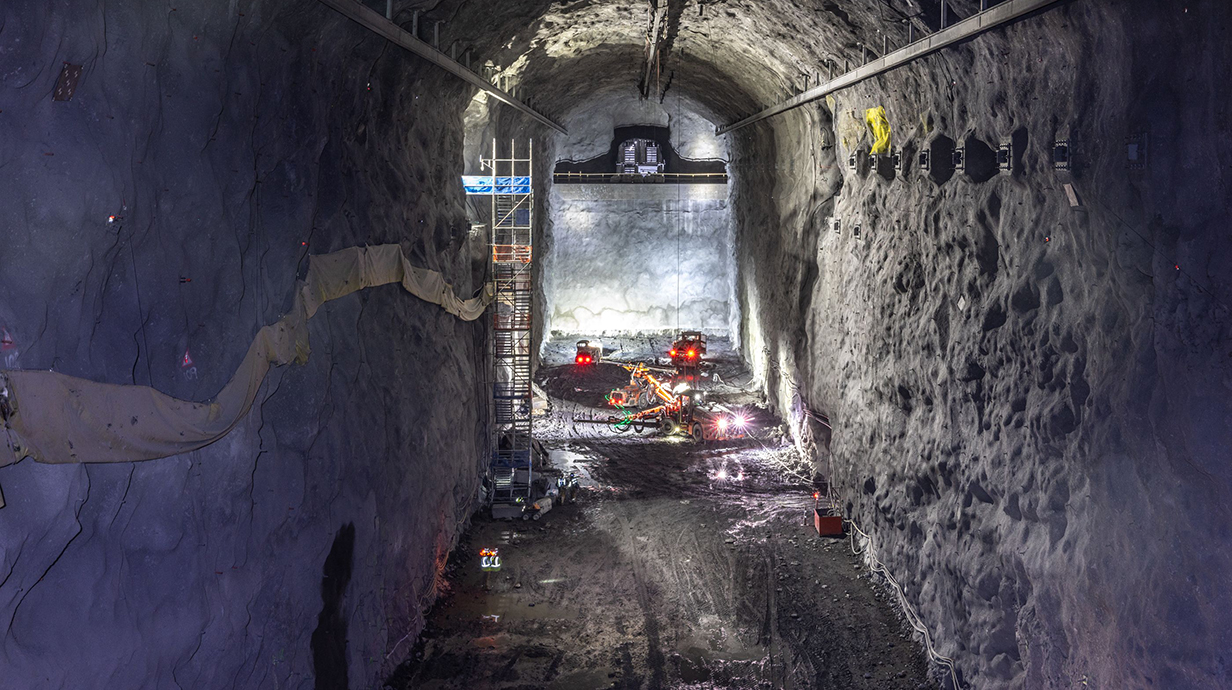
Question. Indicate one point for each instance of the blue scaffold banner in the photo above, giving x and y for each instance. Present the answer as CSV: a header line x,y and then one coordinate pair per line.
x,y
479,184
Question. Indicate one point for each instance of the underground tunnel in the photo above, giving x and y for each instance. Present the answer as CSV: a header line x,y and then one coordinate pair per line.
x,y
833,344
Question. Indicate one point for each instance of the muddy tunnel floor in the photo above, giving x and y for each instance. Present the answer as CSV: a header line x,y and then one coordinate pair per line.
x,y
680,565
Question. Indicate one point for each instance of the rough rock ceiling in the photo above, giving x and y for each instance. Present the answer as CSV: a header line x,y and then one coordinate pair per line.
x,y
725,58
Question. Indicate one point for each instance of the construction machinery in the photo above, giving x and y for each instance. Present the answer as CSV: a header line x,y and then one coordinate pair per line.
x,y
647,403
589,352
539,508
689,349
640,157
687,353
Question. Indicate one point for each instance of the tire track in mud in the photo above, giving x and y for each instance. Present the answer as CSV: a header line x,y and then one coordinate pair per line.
x,y
664,575
654,649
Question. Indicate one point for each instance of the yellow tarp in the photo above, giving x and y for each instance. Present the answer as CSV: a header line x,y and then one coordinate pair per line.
x,y
879,126
62,419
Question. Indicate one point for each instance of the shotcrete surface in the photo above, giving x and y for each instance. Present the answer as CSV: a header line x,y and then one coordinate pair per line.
x,y
651,258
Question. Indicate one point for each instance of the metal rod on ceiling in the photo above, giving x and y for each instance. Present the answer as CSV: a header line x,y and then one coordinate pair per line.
x,y
373,21
971,26
657,16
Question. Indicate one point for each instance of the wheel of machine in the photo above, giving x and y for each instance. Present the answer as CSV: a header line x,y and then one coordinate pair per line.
x,y
536,516
670,426
525,516
697,432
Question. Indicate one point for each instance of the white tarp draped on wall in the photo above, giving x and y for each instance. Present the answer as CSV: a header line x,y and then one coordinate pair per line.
x,y
56,418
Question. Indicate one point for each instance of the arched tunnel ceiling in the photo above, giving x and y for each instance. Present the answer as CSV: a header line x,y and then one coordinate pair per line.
x,y
1016,384
724,59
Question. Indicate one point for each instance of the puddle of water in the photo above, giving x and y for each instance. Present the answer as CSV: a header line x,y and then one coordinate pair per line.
x,y
713,639
503,608
569,460
712,647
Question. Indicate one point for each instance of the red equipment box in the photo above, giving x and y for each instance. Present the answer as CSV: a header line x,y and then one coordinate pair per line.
x,y
827,525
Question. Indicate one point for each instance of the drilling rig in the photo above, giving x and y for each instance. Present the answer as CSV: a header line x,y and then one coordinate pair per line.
x,y
649,404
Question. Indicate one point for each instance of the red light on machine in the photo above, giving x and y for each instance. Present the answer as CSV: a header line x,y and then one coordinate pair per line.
x,y
672,353
692,353
584,359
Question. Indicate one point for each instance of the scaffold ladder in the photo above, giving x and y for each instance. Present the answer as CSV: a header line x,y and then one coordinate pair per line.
x,y
512,203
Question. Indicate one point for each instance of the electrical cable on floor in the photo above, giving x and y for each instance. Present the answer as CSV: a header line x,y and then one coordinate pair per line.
x,y
912,617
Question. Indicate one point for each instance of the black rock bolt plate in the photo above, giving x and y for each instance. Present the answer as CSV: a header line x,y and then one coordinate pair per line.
x,y
66,85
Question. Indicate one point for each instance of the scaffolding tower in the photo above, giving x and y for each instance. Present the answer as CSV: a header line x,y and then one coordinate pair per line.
x,y
512,197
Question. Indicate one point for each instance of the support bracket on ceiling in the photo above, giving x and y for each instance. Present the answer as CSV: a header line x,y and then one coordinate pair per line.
x,y
657,13
375,22
976,24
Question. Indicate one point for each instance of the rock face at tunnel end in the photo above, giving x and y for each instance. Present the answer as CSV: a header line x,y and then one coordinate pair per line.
x,y
639,258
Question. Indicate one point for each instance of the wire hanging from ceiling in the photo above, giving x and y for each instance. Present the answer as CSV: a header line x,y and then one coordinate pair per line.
x,y
679,212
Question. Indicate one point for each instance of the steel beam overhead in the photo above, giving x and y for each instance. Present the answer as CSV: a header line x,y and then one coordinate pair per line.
x,y
658,18
971,26
371,19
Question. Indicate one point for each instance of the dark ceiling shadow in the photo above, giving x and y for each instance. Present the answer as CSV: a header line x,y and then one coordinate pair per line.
x,y
329,640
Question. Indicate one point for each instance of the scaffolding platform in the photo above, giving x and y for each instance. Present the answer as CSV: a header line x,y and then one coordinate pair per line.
x,y
510,187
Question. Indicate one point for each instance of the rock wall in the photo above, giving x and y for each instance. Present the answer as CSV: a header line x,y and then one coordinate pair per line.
x,y
591,128
1030,401
629,258
229,142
